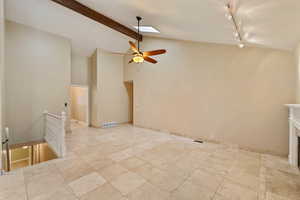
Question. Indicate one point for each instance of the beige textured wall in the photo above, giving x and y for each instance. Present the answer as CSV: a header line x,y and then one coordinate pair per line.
x,y
109,97
38,76
216,92
297,63
113,100
79,69
79,103
93,85
2,121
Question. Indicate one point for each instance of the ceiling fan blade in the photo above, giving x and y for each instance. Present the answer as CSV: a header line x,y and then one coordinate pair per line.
x,y
130,61
133,47
155,52
150,59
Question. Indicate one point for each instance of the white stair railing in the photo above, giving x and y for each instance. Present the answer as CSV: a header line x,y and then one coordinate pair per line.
x,y
5,162
55,132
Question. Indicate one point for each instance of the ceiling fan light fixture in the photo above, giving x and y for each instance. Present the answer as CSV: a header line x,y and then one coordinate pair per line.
x,y
236,24
138,58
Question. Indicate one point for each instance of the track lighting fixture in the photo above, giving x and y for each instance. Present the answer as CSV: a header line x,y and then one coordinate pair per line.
x,y
230,16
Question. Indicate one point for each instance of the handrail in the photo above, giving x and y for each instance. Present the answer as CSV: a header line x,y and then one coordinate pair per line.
x,y
52,115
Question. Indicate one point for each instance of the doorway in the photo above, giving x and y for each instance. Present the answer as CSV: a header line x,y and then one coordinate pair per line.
x,y
79,105
129,87
27,154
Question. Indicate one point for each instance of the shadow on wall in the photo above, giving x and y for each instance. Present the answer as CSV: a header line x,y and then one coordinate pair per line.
x,y
129,88
37,126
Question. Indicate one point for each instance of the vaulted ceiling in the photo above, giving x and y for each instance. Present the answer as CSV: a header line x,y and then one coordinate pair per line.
x,y
268,23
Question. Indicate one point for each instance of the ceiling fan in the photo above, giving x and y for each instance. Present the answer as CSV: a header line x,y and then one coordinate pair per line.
x,y
139,56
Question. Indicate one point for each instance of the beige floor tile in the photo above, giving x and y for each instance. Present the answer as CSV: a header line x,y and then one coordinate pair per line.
x,y
11,180
105,192
166,154
109,149
206,179
87,183
139,148
113,171
214,167
76,171
101,163
246,180
62,193
251,169
44,184
132,163
159,164
38,170
249,154
148,192
219,197
280,164
283,183
190,161
89,152
122,155
152,156
190,191
14,194
69,162
172,168
271,196
232,191
12,186
248,164
147,171
163,179
128,182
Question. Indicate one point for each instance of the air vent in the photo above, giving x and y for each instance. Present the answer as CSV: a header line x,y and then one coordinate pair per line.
x,y
109,124
198,141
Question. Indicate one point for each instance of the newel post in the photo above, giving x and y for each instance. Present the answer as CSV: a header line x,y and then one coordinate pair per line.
x,y
63,133
294,126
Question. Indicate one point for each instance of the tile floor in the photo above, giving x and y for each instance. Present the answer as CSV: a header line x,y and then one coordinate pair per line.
x,y
130,163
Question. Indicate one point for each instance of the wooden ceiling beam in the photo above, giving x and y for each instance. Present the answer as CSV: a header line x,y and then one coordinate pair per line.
x,y
94,15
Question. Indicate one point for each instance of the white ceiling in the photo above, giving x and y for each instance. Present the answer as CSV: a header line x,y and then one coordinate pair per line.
x,y
269,23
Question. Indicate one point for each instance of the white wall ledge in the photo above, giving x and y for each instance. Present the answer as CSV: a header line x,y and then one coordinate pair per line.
x,y
293,105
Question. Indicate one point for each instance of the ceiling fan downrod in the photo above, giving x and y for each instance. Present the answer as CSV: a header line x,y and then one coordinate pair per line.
x,y
139,19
